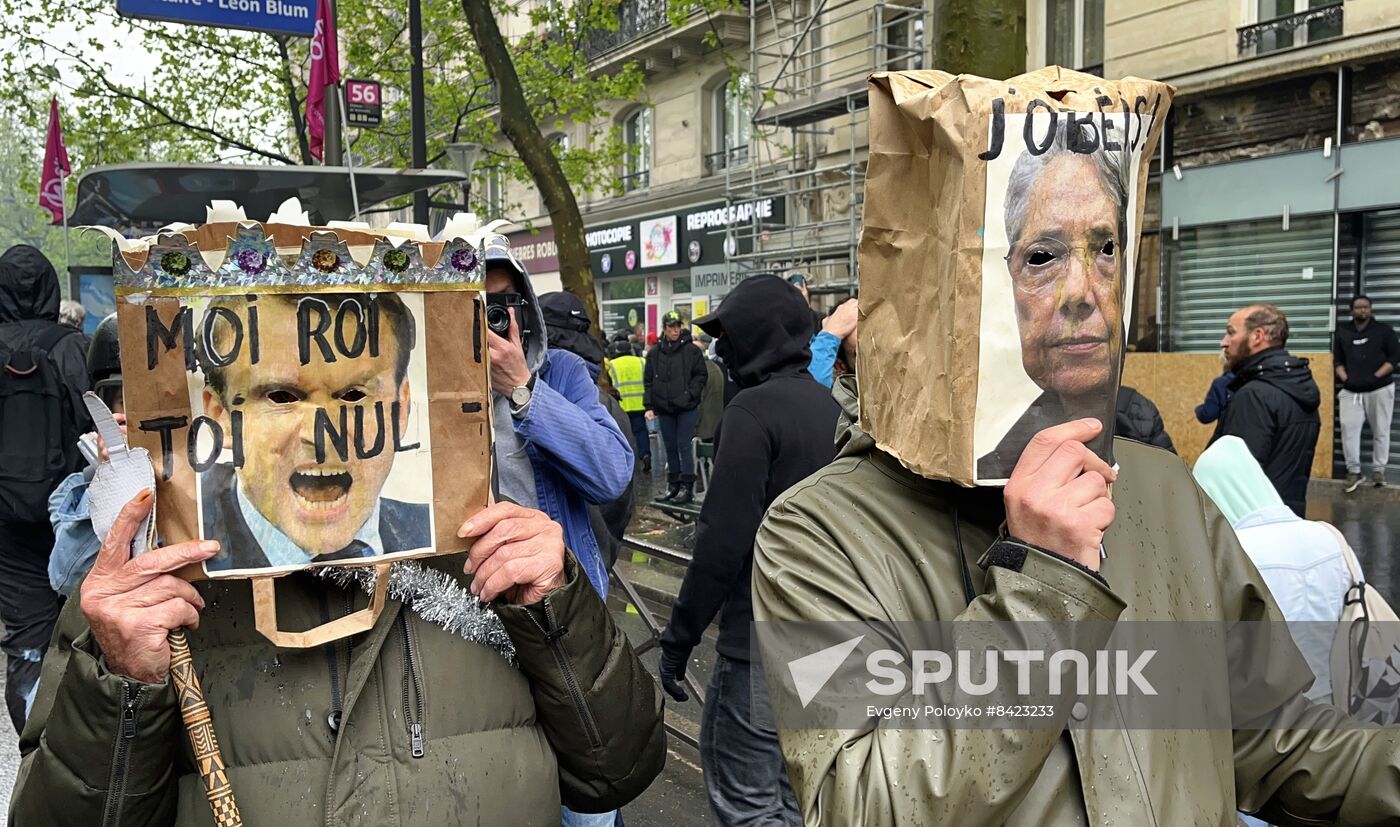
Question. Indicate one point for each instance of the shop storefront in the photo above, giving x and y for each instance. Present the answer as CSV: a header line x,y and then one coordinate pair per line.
x,y
538,253
647,267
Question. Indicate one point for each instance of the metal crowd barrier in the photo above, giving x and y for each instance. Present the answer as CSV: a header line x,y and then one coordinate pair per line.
x,y
654,627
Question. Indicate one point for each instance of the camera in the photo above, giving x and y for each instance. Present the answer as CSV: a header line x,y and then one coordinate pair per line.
x,y
498,313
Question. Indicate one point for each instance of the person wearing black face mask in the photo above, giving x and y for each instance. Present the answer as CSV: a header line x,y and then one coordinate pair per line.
x,y
1365,352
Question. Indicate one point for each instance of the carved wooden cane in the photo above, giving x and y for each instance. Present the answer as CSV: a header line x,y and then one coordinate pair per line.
x,y
200,728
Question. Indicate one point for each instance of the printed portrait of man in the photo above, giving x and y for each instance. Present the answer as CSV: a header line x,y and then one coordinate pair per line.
x,y
295,499
1067,232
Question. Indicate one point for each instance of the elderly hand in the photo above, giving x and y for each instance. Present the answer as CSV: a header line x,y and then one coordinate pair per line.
x,y
517,553
1057,498
133,604
842,322
508,367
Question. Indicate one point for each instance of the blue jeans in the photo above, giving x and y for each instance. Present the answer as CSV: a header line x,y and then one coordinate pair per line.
x,y
569,818
676,431
640,435
739,750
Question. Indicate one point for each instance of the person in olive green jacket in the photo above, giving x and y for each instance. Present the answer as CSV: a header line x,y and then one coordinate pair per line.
x,y
406,724
712,400
902,547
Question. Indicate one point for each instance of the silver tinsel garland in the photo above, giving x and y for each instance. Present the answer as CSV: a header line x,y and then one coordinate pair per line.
x,y
435,597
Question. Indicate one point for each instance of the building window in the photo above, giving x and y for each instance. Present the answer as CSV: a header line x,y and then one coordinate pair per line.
x,y
623,305
1074,34
493,193
636,159
1283,24
733,119
904,40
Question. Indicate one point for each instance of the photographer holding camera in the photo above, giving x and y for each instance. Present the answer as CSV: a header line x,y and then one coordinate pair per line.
x,y
557,448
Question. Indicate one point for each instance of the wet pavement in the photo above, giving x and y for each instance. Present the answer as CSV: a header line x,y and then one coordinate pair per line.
x,y
1370,520
9,756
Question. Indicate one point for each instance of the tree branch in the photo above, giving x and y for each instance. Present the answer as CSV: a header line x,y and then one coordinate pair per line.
x,y
293,103
99,74
519,125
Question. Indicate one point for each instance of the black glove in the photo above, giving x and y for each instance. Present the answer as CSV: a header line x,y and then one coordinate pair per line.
x,y
673,674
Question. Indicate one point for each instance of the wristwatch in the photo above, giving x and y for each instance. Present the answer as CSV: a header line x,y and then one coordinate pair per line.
x,y
519,398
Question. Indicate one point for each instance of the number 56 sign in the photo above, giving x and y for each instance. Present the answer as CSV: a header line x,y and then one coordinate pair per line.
x,y
363,105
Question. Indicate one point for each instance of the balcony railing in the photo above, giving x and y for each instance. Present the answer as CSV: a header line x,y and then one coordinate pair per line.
x,y
636,181
636,18
1291,30
734,156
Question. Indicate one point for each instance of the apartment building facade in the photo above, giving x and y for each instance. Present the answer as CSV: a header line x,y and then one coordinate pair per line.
x,y
1278,178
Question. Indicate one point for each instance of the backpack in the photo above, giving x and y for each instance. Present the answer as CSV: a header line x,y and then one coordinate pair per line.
x,y
1365,659
38,428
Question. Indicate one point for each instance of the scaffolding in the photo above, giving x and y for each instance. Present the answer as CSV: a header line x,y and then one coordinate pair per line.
x,y
808,63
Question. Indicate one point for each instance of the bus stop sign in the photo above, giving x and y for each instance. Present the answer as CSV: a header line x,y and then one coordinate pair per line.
x,y
363,105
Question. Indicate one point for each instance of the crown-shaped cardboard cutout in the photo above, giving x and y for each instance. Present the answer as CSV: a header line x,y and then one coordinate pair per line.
x,y
230,254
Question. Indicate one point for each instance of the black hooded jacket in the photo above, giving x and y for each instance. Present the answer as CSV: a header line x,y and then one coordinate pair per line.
x,y
779,430
29,296
1274,410
674,376
566,326
1137,418
567,322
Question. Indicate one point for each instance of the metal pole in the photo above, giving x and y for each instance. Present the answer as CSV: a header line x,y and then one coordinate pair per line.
x,y
349,161
334,112
417,105
67,256
1337,201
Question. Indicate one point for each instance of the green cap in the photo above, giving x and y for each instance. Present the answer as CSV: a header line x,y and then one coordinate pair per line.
x,y
671,318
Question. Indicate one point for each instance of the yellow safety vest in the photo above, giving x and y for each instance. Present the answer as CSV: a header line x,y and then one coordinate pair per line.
x,y
626,375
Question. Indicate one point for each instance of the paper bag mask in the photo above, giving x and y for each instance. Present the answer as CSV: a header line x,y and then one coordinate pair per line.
x,y
997,258
309,397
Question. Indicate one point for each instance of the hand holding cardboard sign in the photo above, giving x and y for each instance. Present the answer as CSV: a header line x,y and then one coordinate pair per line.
x,y
1057,498
133,603
517,553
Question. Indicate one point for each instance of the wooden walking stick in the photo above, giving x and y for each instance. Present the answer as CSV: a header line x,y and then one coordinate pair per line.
x,y
195,712
126,472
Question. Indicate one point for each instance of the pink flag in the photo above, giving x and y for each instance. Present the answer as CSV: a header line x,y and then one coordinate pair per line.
x,y
55,166
325,70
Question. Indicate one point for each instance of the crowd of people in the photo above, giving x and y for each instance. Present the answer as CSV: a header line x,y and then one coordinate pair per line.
x,y
529,706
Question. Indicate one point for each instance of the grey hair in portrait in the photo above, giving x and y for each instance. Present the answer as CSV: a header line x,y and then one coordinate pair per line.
x,y
1111,166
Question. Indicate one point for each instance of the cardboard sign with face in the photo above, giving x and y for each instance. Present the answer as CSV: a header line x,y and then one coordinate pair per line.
x,y
1057,263
310,429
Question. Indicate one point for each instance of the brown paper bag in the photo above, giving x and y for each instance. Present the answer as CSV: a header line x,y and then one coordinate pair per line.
x,y
308,398
996,260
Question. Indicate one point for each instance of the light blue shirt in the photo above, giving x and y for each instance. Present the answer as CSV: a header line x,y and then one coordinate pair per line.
x,y
281,550
825,347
